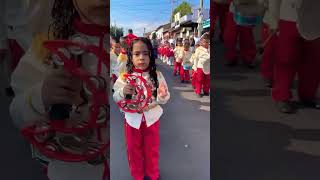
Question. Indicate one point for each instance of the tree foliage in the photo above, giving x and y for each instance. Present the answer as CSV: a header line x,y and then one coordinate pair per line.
x,y
116,32
184,8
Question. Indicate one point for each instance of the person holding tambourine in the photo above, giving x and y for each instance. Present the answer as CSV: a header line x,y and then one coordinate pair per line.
x,y
142,121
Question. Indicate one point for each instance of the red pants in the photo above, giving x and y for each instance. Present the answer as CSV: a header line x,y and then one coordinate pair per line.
x,y
246,41
202,82
269,54
220,11
194,78
177,67
143,150
296,55
184,74
16,52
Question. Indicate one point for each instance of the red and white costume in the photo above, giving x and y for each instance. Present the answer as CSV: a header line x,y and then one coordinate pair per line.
x,y
178,54
220,9
185,74
299,50
270,41
27,105
202,57
171,57
244,33
142,131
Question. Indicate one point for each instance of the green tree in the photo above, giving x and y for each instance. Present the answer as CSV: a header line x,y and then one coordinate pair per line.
x,y
116,32
184,8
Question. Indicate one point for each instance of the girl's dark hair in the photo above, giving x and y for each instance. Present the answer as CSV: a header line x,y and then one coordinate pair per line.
x,y
63,14
152,64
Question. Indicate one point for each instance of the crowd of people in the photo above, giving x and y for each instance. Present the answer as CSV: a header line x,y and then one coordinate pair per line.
x,y
290,44
190,58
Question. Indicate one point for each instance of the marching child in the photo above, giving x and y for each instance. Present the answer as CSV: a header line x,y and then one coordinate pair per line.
x,y
166,51
114,63
236,30
160,52
38,85
269,34
219,11
299,44
186,64
142,128
194,62
171,55
202,57
178,52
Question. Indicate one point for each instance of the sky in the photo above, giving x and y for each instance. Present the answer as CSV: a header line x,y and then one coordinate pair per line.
x,y
140,14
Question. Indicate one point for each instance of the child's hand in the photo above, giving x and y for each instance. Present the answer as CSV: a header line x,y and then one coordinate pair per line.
x,y
162,90
59,87
128,90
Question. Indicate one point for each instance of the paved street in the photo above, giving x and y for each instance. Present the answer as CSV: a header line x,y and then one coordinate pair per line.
x,y
186,121
252,140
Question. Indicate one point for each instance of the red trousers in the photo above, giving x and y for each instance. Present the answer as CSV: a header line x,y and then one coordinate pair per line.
x,y
143,150
194,78
220,12
184,74
246,41
16,52
296,55
176,67
202,82
269,54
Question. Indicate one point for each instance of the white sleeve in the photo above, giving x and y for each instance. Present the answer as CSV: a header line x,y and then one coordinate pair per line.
x,y
26,81
203,57
118,90
165,99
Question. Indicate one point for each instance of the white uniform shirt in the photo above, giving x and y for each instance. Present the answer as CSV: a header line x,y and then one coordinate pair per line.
x,y
151,116
202,57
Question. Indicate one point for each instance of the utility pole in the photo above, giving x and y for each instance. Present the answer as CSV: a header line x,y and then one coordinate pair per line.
x,y
171,17
115,29
200,18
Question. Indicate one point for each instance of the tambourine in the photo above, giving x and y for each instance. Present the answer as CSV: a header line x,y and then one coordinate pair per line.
x,y
140,99
82,140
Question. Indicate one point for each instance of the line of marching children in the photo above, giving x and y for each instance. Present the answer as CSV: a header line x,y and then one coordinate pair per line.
x,y
290,36
188,60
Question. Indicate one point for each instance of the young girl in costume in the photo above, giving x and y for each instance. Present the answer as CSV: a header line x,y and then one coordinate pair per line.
x,y
178,52
202,57
186,64
142,128
39,83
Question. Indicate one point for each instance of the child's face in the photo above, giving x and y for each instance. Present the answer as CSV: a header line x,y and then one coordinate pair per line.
x,y
140,55
205,43
116,48
179,44
93,11
186,45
